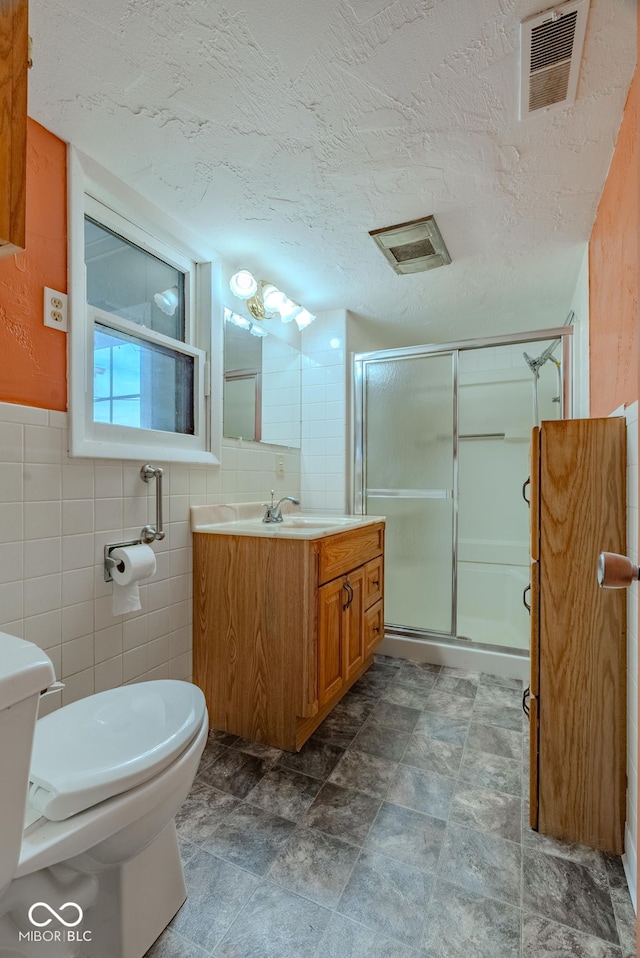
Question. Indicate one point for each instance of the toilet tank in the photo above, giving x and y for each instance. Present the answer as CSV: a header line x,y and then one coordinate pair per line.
x,y
25,671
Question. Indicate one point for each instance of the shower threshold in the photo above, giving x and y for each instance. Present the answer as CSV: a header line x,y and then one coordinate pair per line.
x,y
455,652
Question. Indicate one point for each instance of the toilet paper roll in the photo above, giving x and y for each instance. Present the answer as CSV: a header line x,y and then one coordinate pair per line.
x,y
133,563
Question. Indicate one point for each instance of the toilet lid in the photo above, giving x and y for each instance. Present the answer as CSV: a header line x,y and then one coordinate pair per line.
x,y
107,743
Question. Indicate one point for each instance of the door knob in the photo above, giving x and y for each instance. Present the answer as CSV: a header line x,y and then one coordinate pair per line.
x,y
616,571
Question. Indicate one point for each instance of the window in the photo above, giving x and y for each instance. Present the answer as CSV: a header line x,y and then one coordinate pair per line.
x,y
140,325
142,385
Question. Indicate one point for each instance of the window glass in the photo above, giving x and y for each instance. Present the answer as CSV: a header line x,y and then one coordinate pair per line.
x,y
141,384
129,282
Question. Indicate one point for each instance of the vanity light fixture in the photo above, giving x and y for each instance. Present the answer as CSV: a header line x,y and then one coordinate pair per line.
x,y
244,323
243,284
265,300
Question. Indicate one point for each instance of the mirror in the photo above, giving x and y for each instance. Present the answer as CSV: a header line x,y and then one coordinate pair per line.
x,y
262,372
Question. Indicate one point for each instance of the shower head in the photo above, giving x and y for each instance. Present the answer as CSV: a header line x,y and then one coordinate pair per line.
x,y
535,364
548,351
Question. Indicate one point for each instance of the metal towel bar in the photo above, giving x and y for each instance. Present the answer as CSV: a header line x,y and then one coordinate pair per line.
x,y
151,533
148,533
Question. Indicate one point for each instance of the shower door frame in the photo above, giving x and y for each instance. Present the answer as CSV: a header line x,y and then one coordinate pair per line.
x,y
359,478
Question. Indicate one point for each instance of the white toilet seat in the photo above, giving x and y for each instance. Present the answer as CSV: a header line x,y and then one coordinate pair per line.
x,y
47,843
108,743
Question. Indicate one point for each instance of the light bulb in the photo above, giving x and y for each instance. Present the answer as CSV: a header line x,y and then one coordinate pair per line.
x,y
273,298
256,330
236,319
243,284
289,310
304,318
167,300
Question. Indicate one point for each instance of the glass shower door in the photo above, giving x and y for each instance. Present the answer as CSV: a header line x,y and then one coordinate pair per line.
x,y
409,477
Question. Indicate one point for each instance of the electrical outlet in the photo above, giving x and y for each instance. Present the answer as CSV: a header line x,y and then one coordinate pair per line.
x,y
55,309
279,467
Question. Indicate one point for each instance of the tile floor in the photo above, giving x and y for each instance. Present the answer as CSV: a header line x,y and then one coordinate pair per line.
x,y
400,829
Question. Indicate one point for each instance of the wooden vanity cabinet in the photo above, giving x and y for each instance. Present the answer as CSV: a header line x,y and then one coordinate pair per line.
x,y
13,123
578,633
283,627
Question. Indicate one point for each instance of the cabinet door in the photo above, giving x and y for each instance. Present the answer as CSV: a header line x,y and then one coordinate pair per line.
x,y
13,123
373,628
533,761
534,653
582,652
534,501
353,621
373,572
331,598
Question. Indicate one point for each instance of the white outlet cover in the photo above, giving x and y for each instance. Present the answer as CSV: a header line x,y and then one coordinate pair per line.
x,y
51,309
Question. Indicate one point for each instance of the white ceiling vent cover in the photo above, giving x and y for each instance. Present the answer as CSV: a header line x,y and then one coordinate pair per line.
x,y
551,45
412,247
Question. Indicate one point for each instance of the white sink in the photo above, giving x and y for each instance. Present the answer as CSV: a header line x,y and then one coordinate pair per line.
x,y
245,519
317,522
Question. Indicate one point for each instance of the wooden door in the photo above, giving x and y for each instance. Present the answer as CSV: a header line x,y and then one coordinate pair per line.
x,y
582,676
331,598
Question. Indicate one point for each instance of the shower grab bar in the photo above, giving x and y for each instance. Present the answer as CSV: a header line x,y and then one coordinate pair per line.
x,y
151,533
409,493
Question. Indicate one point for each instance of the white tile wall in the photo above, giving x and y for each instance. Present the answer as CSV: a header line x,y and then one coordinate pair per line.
x,y
57,513
324,413
281,372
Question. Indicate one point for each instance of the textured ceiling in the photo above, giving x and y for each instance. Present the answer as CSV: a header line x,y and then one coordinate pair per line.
x,y
283,131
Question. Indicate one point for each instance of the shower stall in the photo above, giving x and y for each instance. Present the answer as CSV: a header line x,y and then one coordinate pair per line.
x,y
441,448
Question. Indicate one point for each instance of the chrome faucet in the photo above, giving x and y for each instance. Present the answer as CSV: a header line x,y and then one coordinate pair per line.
x,y
274,512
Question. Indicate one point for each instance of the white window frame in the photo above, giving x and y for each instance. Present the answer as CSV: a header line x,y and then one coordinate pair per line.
x,y
95,193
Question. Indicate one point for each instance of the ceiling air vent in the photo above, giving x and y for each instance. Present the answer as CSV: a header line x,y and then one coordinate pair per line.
x,y
412,247
551,45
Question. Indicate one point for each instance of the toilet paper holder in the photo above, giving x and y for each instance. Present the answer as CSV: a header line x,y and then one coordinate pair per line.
x,y
148,533
110,563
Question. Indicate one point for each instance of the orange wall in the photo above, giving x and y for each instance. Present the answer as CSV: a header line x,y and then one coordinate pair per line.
x,y
33,364
613,273
614,319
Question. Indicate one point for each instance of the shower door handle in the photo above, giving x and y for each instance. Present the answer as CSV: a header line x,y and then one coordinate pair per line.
x,y
524,599
526,483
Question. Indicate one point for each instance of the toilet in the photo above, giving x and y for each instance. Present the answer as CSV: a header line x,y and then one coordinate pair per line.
x,y
89,858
